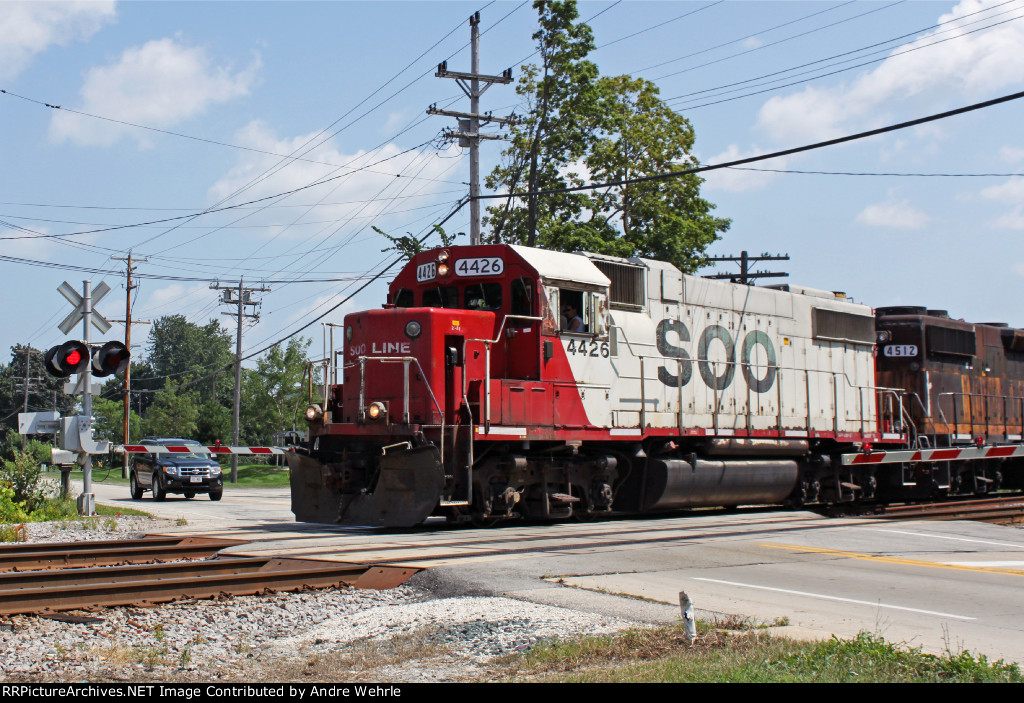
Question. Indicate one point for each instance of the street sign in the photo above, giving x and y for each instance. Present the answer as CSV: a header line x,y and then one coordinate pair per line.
x,y
75,298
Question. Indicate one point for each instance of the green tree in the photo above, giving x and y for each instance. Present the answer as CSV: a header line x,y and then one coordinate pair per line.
x,y
408,245
274,392
174,413
109,422
214,423
179,348
612,129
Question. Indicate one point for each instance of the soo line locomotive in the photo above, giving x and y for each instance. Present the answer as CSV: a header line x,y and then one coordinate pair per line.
x,y
504,382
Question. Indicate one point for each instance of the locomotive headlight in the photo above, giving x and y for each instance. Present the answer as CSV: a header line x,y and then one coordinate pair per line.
x,y
375,411
884,336
348,333
442,270
413,329
314,412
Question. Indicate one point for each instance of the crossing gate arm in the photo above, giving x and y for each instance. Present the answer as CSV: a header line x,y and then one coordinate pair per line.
x,y
196,449
941,454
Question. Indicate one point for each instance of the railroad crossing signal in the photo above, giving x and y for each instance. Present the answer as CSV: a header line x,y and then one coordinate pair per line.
x,y
66,359
73,357
111,358
75,298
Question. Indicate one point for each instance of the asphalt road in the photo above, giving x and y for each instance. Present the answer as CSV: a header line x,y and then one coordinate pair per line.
x,y
937,585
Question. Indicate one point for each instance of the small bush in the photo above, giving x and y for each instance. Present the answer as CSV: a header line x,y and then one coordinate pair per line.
x,y
25,476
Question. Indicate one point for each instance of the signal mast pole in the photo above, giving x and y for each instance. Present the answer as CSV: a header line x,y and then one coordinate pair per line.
x,y
469,122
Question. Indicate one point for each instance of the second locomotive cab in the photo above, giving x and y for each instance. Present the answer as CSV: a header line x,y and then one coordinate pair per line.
x,y
503,382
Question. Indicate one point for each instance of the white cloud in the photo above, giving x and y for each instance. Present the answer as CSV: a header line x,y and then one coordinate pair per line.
x,y
1011,220
359,190
1011,154
29,28
1012,191
892,214
735,180
967,66
183,297
158,84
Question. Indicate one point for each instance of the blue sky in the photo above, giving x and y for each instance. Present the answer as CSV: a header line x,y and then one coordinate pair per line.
x,y
226,89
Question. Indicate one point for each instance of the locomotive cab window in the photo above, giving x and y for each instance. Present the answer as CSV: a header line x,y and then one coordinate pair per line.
x,y
582,312
522,297
482,296
441,297
404,298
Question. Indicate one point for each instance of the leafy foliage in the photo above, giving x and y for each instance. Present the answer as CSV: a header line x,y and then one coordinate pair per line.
x,y
174,413
274,393
24,476
582,127
408,245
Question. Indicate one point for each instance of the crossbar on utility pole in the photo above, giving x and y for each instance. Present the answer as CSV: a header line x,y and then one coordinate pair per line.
x,y
469,122
746,276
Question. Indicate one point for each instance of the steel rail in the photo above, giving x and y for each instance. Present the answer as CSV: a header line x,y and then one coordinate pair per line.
x,y
983,509
56,555
77,589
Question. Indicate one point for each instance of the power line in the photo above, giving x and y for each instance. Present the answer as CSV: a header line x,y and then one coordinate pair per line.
x,y
848,68
881,173
773,155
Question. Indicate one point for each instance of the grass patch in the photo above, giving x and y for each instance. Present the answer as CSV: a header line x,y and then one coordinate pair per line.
x,y
747,655
259,476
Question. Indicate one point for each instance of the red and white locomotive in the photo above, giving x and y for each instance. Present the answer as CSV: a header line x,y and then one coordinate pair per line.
x,y
503,382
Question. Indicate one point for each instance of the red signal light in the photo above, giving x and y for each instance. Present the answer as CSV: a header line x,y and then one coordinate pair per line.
x,y
111,358
66,359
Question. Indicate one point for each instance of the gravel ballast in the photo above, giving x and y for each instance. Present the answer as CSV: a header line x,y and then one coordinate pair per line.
x,y
403,634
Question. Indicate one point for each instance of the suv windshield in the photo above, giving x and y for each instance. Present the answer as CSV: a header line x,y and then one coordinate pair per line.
x,y
178,455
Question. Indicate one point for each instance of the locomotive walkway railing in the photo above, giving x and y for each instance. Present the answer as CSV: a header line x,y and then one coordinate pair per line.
x,y
893,416
966,410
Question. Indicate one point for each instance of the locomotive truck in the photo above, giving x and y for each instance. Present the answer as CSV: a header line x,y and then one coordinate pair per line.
x,y
466,396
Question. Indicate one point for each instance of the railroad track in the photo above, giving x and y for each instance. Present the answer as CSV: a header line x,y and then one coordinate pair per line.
x,y
60,555
53,585
1006,509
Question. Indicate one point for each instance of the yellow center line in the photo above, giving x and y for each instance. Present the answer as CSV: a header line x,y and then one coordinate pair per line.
x,y
893,560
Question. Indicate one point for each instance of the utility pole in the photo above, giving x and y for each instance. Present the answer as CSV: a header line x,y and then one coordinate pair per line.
x,y
469,122
130,264
238,296
746,276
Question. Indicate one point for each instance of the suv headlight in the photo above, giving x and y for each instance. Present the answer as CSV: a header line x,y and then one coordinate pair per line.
x,y
172,470
215,470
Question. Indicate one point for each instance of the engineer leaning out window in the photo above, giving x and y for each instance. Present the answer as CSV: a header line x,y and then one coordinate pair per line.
x,y
573,321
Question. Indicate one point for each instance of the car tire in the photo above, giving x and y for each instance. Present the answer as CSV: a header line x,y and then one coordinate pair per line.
x,y
216,495
135,487
159,493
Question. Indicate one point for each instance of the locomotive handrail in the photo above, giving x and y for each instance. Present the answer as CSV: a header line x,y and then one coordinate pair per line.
x,y
487,362
970,414
405,361
862,418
